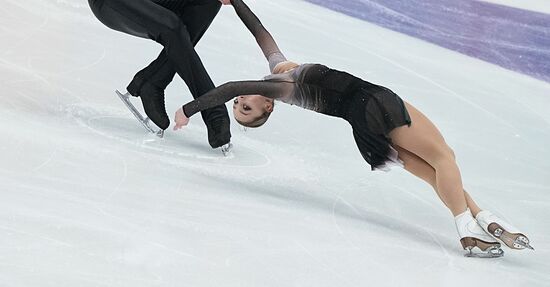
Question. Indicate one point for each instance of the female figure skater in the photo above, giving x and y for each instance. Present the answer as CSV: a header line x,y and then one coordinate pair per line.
x,y
177,25
387,130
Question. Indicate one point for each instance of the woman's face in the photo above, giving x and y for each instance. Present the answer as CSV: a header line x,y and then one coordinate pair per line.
x,y
251,107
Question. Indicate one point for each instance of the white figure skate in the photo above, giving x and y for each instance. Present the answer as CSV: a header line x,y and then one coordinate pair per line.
x,y
502,230
474,240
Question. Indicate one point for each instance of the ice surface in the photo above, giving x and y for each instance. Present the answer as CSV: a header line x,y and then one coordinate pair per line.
x,y
515,39
88,199
533,5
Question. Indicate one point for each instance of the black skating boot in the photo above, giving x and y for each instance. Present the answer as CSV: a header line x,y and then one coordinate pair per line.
x,y
219,132
152,98
149,85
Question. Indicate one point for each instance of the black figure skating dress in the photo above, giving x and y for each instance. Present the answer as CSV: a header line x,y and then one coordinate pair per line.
x,y
372,110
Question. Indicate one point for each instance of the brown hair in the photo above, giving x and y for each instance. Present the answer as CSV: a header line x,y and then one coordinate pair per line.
x,y
280,68
284,67
257,122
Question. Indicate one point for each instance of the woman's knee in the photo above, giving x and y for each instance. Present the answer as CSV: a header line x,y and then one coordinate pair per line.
x,y
452,152
447,151
442,158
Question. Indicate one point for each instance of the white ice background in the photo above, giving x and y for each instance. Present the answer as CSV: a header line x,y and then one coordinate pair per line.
x,y
88,199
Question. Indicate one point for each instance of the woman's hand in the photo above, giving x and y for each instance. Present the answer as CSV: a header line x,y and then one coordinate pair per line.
x,y
181,119
226,2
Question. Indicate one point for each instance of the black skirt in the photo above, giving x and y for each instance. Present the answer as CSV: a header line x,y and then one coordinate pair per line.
x,y
373,115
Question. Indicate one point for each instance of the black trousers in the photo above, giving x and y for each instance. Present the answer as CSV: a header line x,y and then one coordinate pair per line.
x,y
175,24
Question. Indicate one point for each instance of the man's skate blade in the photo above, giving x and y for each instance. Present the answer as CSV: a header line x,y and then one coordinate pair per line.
x,y
160,134
145,122
226,149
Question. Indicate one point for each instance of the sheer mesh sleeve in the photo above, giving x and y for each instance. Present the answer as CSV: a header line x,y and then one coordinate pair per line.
x,y
268,45
228,91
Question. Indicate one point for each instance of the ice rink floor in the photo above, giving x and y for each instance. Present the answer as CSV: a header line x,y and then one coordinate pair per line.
x,y
88,199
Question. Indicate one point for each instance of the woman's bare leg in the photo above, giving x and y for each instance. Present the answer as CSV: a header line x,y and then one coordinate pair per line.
x,y
423,139
474,208
426,172
425,154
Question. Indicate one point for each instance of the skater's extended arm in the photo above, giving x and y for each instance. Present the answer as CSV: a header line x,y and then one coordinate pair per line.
x,y
268,45
228,91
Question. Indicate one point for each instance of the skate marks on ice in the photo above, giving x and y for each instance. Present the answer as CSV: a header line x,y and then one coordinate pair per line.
x,y
386,232
189,144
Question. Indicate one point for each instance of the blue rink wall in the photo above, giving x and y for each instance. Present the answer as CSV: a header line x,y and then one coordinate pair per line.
x,y
512,38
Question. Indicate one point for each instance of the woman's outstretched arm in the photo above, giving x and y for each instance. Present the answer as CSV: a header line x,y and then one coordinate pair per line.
x,y
266,42
230,90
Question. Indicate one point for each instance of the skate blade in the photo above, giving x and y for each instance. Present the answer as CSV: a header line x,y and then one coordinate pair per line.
x,y
493,252
513,240
226,149
480,248
145,121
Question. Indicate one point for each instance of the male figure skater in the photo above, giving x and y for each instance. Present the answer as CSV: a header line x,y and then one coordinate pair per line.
x,y
177,25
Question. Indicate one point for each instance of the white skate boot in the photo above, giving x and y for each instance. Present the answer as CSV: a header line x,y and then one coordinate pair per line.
x,y
474,240
502,230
